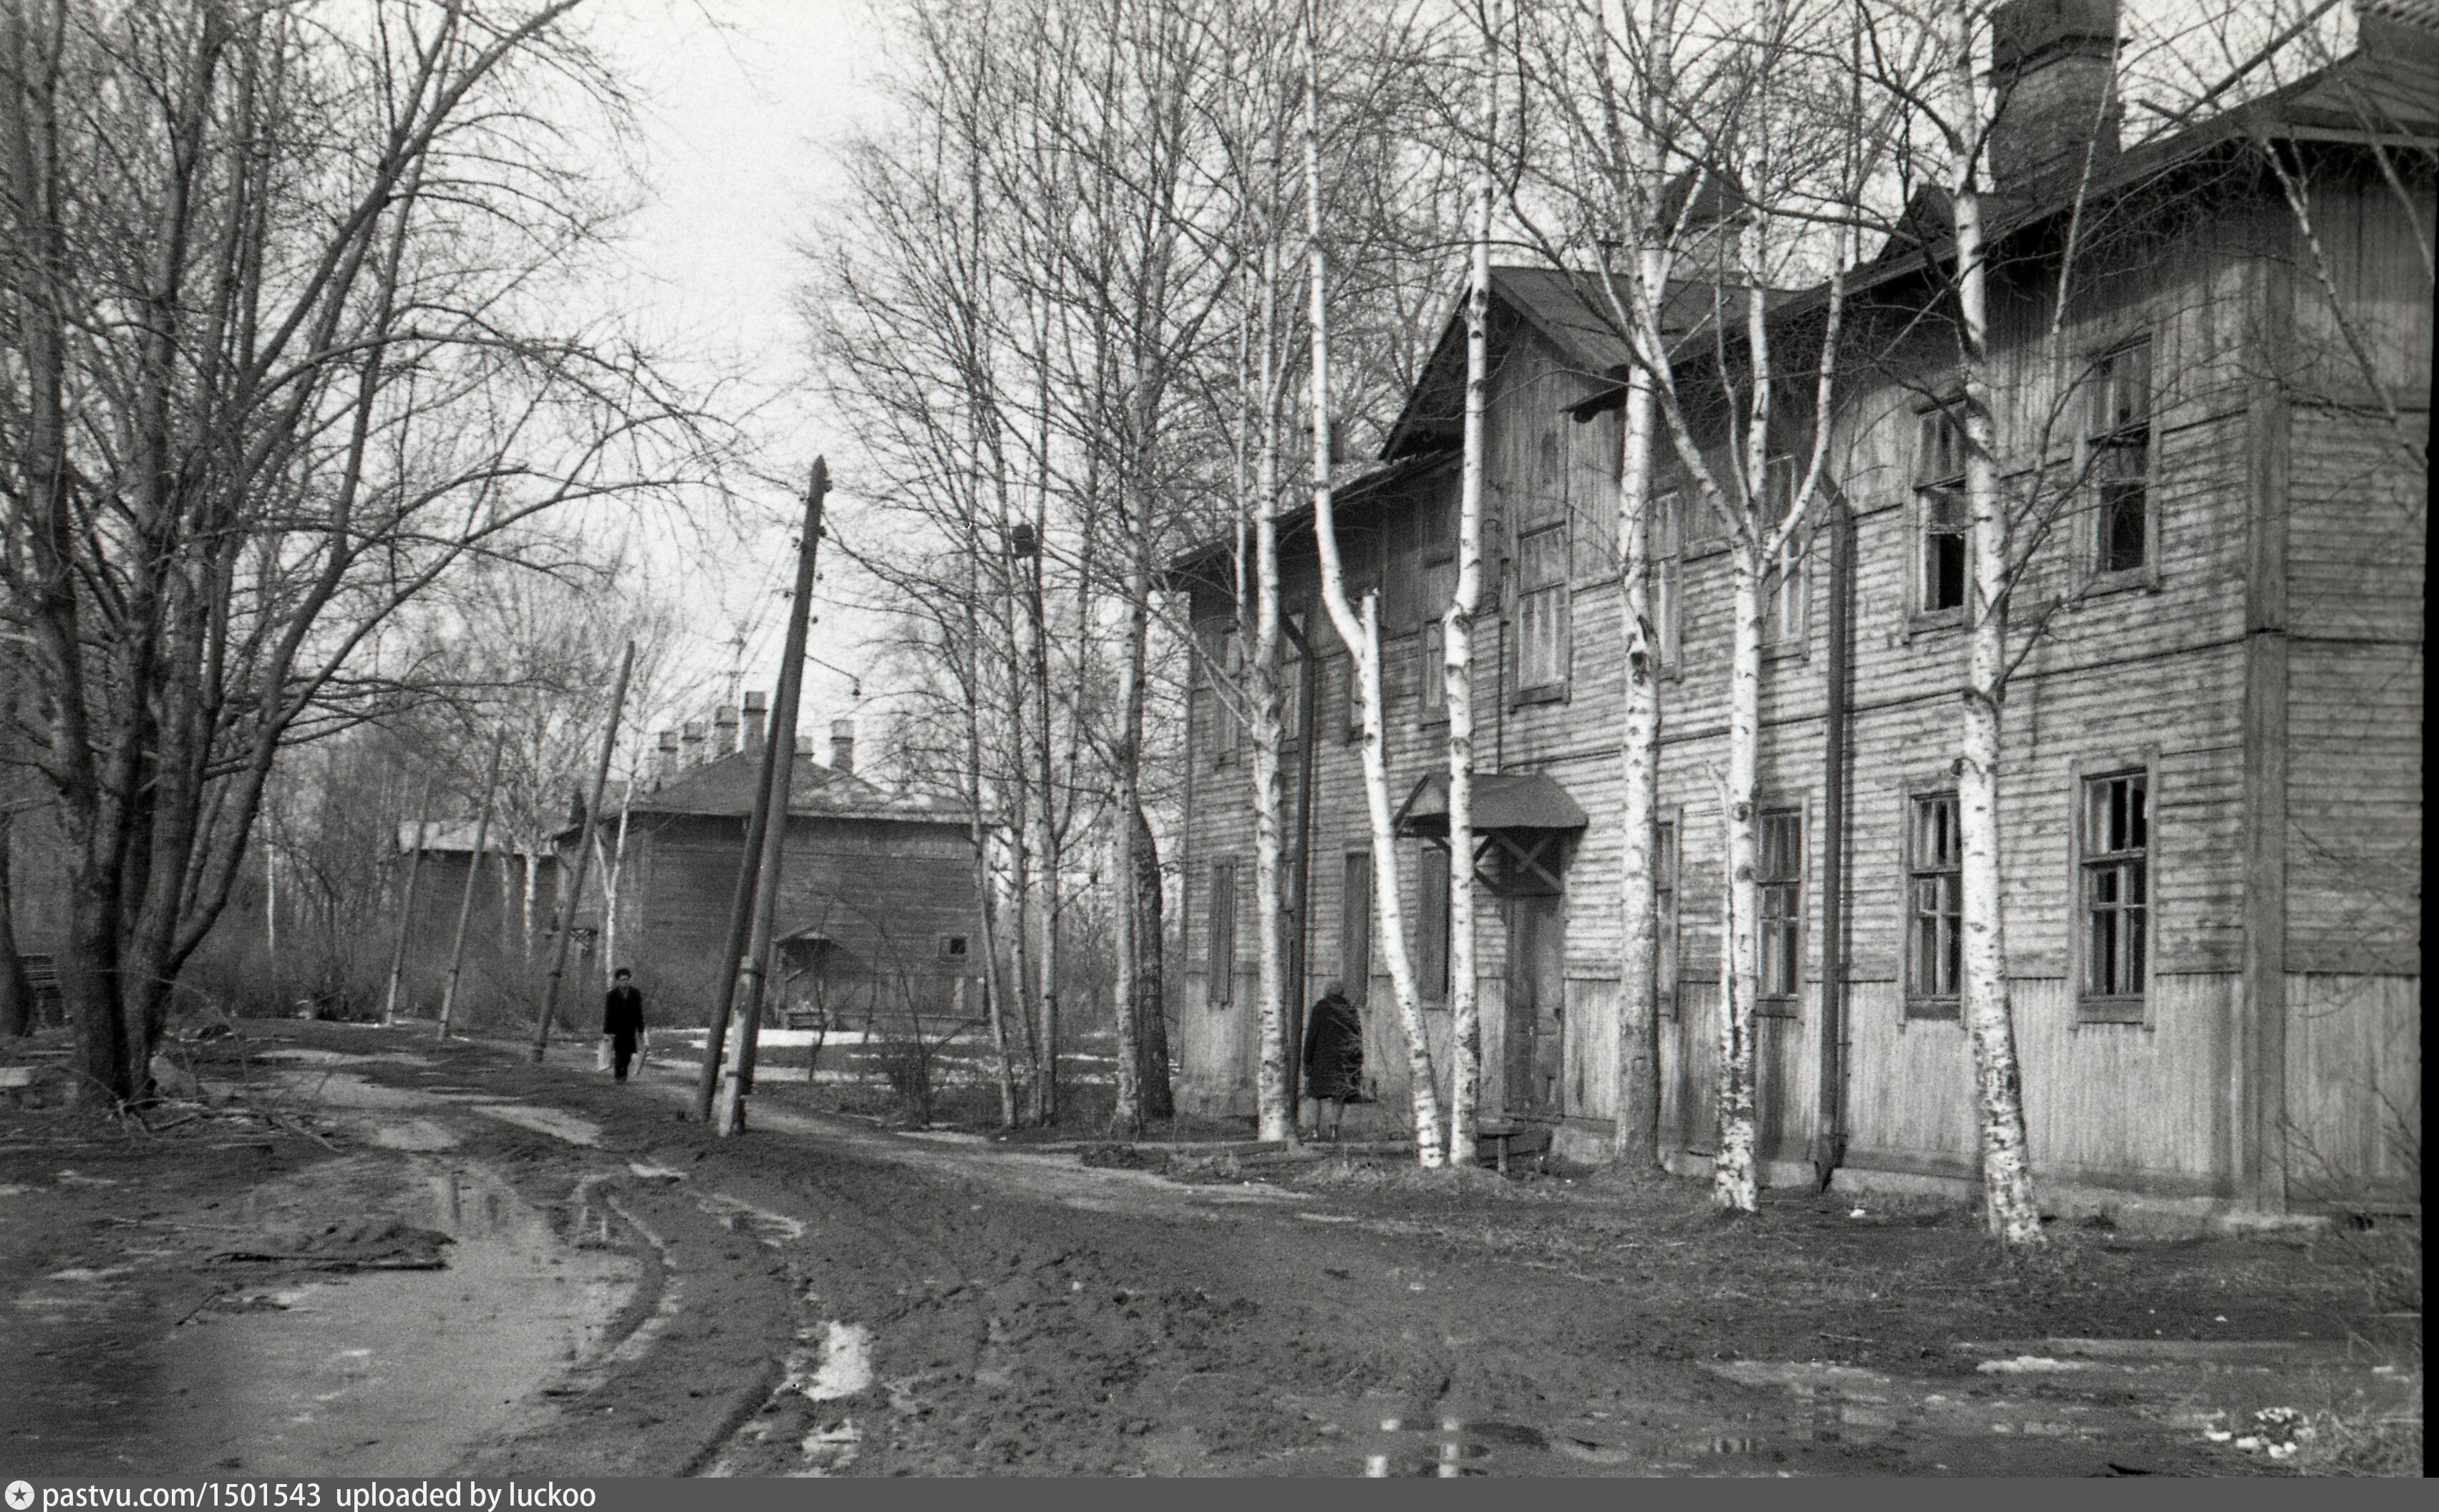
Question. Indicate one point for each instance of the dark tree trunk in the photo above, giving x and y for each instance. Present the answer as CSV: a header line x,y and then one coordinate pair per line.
x,y
1151,1021
16,992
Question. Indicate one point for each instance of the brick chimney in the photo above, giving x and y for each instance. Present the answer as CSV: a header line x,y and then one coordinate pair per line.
x,y
842,745
692,741
665,766
723,725
757,714
804,745
2053,69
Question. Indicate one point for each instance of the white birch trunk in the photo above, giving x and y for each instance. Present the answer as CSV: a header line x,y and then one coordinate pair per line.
x,y
1733,1176
1760,531
2008,1204
1361,636
1274,1100
1465,991
1636,1141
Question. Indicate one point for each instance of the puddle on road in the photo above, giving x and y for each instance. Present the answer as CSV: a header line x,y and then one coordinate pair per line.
x,y
389,1373
331,1089
551,1121
303,1056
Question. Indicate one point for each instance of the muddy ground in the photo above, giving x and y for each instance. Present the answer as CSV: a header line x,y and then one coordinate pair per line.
x,y
366,1253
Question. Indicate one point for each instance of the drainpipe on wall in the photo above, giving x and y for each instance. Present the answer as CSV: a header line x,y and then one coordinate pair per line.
x,y
1829,1126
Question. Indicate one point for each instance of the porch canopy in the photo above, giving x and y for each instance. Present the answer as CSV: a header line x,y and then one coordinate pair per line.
x,y
1521,824
1502,800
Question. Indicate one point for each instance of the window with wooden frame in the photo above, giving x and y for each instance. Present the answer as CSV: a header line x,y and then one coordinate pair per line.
x,y
1219,941
1934,907
1430,647
1203,724
1440,522
1232,690
1432,923
2125,533
1781,879
1667,578
1292,670
2113,912
1942,526
1785,580
1355,928
1541,610
1663,890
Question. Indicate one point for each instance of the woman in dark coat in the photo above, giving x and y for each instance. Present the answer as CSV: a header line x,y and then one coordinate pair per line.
x,y
1333,1056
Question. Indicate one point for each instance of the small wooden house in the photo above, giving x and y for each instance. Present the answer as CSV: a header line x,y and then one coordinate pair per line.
x,y
876,912
2212,802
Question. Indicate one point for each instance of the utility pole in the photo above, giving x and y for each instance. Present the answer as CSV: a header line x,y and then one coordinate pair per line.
x,y
574,895
473,874
406,904
610,886
740,917
740,1075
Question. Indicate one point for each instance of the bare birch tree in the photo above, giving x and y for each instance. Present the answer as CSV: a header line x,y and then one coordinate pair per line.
x,y
1465,989
1361,633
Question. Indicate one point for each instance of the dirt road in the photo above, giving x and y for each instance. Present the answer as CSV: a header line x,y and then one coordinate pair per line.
x,y
620,1293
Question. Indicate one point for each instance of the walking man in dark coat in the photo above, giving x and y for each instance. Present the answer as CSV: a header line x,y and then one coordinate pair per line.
x,y
622,1019
1333,1056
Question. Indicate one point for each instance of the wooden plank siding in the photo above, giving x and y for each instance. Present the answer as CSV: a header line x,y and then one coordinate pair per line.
x,y
885,891
2256,484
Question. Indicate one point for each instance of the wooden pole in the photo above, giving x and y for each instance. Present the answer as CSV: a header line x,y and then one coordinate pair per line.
x,y
574,895
609,888
406,904
739,1079
741,918
473,873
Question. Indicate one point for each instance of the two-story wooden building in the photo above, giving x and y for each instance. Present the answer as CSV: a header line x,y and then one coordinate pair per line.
x,y
2212,792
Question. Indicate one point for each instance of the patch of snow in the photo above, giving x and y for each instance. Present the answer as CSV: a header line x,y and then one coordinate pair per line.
x,y
2031,1366
846,1364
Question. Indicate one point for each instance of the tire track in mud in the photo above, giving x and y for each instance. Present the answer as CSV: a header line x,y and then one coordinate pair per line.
x,y
1029,1316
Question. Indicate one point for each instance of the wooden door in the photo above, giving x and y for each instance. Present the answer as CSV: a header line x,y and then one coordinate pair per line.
x,y
1355,930
1537,952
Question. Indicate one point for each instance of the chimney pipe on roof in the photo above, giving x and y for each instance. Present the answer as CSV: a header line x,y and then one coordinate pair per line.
x,y
757,713
2054,70
842,745
693,741
804,745
723,724
664,764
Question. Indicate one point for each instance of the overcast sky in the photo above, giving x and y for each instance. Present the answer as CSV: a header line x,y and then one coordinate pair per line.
x,y
740,102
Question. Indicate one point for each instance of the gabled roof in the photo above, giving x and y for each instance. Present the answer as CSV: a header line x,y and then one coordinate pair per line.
x,y
1213,564
1569,309
1562,306
724,788
2389,83
451,837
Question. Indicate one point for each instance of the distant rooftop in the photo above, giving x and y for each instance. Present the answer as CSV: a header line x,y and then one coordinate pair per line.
x,y
725,787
